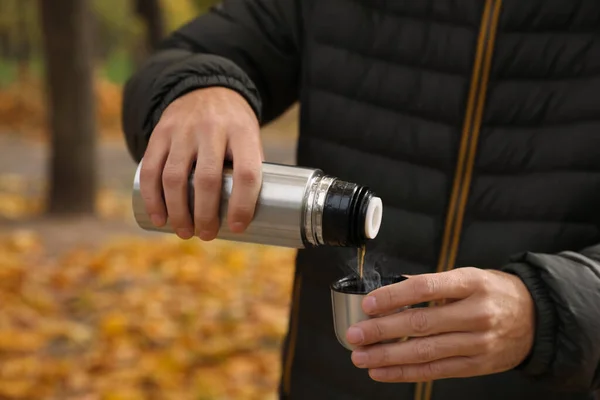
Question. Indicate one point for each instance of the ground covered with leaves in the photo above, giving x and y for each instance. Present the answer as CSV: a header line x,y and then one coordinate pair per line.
x,y
141,319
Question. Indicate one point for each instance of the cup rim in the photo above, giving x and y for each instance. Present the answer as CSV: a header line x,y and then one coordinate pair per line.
x,y
339,285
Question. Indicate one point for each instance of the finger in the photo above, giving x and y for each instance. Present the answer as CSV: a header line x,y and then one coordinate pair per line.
x,y
151,171
455,367
229,155
456,284
208,181
175,182
247,179
417,322
418,350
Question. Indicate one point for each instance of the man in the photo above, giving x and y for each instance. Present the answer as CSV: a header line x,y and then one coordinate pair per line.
x,y
476,121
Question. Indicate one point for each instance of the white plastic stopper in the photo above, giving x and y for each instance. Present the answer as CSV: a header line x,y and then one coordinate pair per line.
x,y
373,217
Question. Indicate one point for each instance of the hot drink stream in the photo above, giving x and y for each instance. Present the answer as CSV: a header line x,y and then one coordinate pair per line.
x,y
361,262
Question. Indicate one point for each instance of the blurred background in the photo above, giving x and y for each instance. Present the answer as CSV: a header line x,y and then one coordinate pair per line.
x,y
92,307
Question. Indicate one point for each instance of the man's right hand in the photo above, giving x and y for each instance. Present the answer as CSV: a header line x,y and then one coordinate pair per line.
x,y
204,126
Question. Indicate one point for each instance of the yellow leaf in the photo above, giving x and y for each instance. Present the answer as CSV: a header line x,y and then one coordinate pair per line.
x,y
20,341
114,324
16,388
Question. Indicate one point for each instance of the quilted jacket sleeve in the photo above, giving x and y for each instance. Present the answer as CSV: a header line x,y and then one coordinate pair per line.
x,y
566,292
251,46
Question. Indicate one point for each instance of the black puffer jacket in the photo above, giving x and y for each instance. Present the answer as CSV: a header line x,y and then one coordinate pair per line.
x,y
482,116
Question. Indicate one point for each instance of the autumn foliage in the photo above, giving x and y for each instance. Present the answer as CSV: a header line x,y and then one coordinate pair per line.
x,y
23,108
142,319
136,318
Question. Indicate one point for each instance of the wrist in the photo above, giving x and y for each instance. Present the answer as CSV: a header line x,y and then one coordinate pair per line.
x,y
202,71
525,312
542,351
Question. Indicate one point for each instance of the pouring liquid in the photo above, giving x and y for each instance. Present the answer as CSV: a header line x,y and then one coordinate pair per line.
x,y
361,261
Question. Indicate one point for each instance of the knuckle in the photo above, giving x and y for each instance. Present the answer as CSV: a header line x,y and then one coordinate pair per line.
x,y
419,322
480,280
487,343
389,297
207,179
151,201
432,371
424,351
148,172
210,168
241,127
462,278
399,373
468,270
165,125
249,176
173,176
237,131
487,314
396,374
209,127
486,319
378,331
424,287
487,324
385,356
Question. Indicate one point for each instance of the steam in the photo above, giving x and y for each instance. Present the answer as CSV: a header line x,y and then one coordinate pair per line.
x,y
371,279
371,272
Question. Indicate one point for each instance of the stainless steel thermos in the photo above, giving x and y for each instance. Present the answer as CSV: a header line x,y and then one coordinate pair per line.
x,y
297,207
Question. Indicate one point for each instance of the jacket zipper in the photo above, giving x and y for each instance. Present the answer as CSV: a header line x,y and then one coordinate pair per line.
x,y
467,152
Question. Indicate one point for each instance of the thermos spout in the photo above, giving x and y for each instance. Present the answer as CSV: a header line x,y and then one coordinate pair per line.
x,y
373,217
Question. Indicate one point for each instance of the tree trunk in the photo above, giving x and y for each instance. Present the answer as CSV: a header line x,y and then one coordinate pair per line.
x,y
69,76
4,44
151,13
5,50
23,40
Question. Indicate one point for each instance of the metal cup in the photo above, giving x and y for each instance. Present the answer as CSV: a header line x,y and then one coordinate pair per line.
x,y
347,295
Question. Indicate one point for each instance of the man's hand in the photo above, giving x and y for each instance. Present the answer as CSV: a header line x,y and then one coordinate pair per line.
x,y
486,326
203,126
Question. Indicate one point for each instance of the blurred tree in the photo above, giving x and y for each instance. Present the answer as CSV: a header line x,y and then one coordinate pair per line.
x,y
151,13
178,12
115,26
19,34
23,39
69,67
204,5
4,31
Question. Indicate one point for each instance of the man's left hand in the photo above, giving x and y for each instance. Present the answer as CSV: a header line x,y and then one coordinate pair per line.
x,y
485,326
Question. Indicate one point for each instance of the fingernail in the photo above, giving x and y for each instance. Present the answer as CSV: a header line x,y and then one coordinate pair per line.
x,y
185,233
360,358
205,235
157,220
369,304
237,227
355,335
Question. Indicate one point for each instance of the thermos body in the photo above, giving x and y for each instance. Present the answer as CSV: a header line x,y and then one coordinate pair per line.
x,y
293,206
